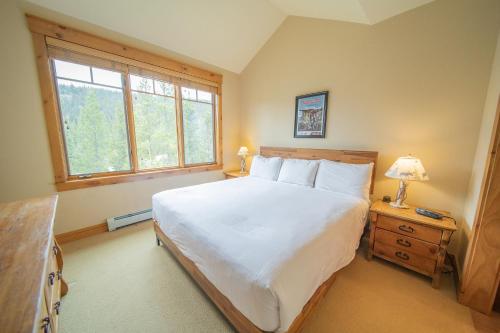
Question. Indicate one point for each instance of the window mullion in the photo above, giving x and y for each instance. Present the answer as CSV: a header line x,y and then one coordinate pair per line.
x,y
130,124
215,122
180,125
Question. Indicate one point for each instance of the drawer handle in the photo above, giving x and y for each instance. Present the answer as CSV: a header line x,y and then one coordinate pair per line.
x,y
402,255
45,324
406,228
57,306
52,276
403,242
54,249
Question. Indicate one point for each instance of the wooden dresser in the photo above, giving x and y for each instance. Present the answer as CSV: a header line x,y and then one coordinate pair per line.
x,y
31,283
408,239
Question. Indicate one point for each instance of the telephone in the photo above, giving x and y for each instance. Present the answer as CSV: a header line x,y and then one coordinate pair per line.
x,y
429,213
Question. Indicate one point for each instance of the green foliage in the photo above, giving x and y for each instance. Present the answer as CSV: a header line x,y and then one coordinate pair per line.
x,y
155,130
198,132
95,129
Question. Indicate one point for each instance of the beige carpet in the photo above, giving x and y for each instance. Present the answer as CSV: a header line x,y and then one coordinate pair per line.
x,y
122,282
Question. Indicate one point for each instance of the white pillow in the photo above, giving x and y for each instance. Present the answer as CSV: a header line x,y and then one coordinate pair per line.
x,y
266,167
300,172
353,179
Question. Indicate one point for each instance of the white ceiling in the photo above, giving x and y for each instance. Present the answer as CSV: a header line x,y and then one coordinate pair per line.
x,y
358,11
224,33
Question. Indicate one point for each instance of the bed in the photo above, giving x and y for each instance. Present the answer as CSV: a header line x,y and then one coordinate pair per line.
x,y
265,252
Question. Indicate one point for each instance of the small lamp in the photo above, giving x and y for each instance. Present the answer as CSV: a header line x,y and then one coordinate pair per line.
x,y
243,153
405,169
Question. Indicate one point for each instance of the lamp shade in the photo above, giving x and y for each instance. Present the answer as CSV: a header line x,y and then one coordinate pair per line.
x,y
243,151
407,168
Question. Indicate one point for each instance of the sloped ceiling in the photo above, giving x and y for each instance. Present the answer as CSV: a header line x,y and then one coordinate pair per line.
x,y
358,11
224,33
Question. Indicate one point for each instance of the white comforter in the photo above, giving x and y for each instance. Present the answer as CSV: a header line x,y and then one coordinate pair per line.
x,y
267,246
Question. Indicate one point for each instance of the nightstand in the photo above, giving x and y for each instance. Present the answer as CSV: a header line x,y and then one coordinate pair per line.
x,y
234,174
410,240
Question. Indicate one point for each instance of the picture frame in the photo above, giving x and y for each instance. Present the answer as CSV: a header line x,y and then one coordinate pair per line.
x,y
310,115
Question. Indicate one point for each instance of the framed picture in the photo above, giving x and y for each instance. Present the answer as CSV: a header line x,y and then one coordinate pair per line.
x,y
310,115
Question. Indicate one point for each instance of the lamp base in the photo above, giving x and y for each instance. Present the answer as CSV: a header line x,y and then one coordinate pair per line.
x,y
243,164
401,206
401,195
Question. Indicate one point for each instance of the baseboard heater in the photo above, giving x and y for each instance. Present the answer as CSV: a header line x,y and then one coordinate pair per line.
x,y
128,219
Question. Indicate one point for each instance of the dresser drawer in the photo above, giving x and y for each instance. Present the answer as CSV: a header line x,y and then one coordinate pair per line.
x,y
52,280
407,244
409,229
54,317
404,257
43,323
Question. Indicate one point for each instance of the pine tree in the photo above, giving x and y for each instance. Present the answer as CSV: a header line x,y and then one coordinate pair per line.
x,y
155,129
198,132
91,139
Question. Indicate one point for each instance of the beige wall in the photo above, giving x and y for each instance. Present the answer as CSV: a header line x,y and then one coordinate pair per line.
x,y
415,84
25,165
482,153
483,143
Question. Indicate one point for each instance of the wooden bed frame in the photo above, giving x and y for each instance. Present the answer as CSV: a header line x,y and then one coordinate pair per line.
x,y
241,323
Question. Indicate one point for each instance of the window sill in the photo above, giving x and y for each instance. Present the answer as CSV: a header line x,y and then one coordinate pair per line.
x,y
131,177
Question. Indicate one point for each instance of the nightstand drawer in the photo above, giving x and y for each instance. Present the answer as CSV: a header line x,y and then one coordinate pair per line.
x,y
404,257
407,244
409,229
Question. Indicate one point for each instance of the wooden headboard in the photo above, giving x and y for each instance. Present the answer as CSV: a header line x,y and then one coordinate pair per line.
x,y
346,156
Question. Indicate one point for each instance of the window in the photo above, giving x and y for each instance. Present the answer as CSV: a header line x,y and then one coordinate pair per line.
x,y
198,119
155,122
91,102
114,117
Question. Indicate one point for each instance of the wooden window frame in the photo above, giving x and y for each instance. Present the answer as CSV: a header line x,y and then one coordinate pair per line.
x,y
51,38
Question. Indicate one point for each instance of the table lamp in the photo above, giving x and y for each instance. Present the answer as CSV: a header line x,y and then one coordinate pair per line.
x,y
243,153
405,169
